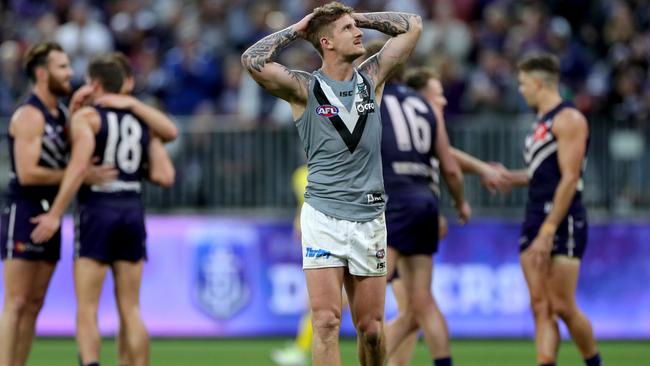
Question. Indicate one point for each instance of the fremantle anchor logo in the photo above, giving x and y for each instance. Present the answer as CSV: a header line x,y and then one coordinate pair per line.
x,y
221,288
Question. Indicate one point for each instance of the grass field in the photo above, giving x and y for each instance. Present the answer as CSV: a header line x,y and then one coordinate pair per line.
x,y
255,352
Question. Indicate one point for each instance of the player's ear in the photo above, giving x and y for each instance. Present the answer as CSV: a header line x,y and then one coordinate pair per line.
x,y
40,72
325,43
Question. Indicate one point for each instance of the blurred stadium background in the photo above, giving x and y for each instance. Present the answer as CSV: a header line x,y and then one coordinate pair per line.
x,y
223,259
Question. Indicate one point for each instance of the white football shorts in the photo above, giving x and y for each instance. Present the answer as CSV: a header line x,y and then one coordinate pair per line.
x,y
331,242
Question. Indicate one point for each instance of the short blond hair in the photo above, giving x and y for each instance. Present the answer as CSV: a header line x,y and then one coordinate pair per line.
x,y
323,18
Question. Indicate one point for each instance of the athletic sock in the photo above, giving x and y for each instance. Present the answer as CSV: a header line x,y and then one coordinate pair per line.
x,y
93,364
445,361
594,360
305,333
547,364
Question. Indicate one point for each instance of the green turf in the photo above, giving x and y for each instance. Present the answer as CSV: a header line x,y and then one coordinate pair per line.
x,y
244,352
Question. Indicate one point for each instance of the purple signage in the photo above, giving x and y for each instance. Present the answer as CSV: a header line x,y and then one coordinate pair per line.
x,y
214,276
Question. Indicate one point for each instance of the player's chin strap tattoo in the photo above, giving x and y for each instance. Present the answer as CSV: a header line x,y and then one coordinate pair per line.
x,y
267,48
391,23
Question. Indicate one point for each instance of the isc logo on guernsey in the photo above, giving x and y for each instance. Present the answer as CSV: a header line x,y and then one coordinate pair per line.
x,y
327,110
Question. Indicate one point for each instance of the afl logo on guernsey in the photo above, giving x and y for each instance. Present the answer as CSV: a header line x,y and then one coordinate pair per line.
x,y
327,110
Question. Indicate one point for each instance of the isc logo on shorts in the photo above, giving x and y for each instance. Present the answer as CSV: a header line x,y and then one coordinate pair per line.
x,y
317,253
327,110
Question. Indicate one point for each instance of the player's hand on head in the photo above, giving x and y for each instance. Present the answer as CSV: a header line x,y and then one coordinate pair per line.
x,y
46,226
464,212
301,26
99,174
117,101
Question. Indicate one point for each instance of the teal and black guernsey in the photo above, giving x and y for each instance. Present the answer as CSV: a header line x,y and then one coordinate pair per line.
x,y
341,132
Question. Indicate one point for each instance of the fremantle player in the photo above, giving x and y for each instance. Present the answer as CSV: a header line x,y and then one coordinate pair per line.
x,y
109,221
336,109
124,300
493,177
38,147
554,233
413,143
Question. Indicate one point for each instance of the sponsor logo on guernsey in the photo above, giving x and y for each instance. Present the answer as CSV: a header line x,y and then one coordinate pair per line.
x,y
375,198
327,110
380,254
365,107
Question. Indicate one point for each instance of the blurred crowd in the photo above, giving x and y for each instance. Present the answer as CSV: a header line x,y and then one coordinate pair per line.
x,y
186,53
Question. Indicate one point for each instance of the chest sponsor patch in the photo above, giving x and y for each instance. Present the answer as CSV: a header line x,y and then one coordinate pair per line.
x,y
327,110
365,107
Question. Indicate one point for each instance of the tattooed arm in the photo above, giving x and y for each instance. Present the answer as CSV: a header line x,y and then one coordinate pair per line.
x,y
259,60
403,27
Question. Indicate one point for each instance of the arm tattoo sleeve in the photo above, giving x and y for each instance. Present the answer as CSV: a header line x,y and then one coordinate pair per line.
x,y
390,23
301,77
371,66
266,49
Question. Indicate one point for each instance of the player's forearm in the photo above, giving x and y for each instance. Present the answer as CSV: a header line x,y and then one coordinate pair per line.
x,y
72,180
468,163
157,121
518,178
391,23
39,176
562,199
455,184
161,168
267,49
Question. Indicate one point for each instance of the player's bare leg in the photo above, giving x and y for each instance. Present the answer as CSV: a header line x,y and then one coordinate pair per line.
x,y
422,311
547,335
367,296
21,304
128,277
88,280
27,326
563,282
324,286
123,356
404,352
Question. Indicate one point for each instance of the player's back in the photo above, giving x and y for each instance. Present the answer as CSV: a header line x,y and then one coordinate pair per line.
x,y
109,221
408,144
122,141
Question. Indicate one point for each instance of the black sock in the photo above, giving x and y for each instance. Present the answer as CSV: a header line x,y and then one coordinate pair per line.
x,y
547,364
594,360
93,364
445,361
